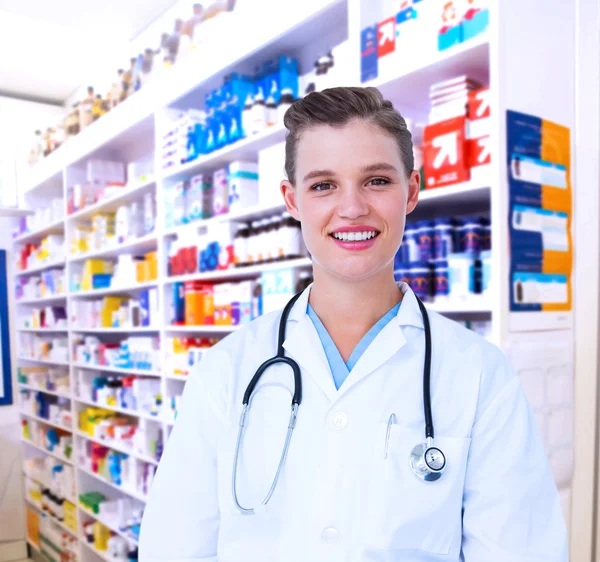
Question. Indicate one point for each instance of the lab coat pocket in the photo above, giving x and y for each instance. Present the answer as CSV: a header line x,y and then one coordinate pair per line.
x,y
403,511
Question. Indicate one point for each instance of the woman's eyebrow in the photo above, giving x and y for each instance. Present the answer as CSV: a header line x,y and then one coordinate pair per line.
x,y
318,174
378,167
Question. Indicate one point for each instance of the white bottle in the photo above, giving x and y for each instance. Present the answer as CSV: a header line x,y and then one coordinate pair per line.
x,y
247,116
271,109
259,113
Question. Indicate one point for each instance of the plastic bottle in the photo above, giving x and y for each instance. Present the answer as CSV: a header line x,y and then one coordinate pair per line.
x,y
247,116
261,241
252,243
271,110
259,113
285,102
240,245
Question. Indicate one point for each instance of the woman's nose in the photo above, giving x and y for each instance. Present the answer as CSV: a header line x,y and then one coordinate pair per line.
x,y
352,204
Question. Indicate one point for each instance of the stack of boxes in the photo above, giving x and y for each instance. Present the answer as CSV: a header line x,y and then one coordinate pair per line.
x,y
50,249
456,141
227,190
116,312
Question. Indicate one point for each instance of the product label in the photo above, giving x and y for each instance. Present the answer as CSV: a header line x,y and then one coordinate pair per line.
x,y
539,227
538,289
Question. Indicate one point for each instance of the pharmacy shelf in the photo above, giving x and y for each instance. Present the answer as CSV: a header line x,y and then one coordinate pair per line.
x,y
140,245
126,195
201,329
39,509
245,150
131,330
116,447
125,411
56,227
241,272
50,392
475,191
175,377
102,554
119,370
409,81
44,361
43,301
45,421
61,458
136,495
72,500
43,330
35,547
109,524
473,305
121,290
13,212
40,268
250,213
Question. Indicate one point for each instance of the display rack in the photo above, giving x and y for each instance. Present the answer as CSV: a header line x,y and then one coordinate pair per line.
x,y
142,117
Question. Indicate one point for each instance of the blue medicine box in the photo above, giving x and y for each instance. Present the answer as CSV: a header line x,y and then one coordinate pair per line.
x,y
476,25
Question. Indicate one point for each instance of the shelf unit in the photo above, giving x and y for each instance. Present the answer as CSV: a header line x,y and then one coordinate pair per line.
x,y
304,30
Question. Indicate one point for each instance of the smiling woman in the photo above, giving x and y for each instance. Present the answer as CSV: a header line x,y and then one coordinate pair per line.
x,y
355,471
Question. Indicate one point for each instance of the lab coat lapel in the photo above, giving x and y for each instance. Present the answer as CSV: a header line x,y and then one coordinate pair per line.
x,y
388,342
302,343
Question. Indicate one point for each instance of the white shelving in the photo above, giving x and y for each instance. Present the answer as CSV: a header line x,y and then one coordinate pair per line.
x,y
50,392
240,272
245,149
125,195
125,411
61,458
201,329
132,493
43,330
56,227
44,361
46,422
107,523
117,447
131,330
43,301
40,268
122,289
118,370
137,246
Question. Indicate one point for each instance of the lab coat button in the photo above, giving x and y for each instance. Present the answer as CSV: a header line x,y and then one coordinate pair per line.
x,y
330,535
339,420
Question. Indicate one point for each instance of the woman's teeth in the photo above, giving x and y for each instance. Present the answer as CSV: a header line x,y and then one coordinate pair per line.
x,y
354,236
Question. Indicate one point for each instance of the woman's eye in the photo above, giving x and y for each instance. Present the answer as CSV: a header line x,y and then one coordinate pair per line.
x,y
321,187
379,181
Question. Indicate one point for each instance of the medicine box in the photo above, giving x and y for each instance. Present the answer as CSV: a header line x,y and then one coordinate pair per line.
x,y
243,185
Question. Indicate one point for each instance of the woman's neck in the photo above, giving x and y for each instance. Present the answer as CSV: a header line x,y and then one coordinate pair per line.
x,y
349,310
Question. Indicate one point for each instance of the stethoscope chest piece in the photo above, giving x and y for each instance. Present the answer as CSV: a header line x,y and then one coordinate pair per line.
x,y
428,463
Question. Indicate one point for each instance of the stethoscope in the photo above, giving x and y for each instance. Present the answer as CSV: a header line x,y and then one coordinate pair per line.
x,y
426,461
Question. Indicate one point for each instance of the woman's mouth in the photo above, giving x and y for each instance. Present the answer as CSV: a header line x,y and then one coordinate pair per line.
x,y
355,238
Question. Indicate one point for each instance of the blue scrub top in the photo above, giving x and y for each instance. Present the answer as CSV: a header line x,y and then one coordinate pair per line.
x,y
339,369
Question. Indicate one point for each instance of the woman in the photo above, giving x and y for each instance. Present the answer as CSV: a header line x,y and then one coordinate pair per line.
x,y
350,488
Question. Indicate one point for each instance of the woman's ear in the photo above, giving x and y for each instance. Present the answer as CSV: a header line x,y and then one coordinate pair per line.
x,y
289,196
414,184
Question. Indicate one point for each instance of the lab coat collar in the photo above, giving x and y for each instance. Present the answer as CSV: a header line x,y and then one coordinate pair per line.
x,y
303,343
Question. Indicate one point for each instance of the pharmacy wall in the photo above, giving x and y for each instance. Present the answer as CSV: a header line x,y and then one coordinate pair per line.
x,y
157,228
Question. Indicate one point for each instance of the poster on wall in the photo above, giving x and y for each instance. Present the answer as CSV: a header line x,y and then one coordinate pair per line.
x,y
5,364
540,215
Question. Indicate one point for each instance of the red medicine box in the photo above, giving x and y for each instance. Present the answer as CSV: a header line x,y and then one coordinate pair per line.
x,y
445,157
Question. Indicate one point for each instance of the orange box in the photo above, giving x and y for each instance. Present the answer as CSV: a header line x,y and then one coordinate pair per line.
x,y
152,260
445,157
141,271
193,303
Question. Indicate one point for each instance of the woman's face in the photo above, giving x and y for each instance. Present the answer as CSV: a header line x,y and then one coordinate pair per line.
x,y
351,196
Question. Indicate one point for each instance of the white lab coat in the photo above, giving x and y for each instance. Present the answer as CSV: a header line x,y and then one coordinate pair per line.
x,y
338,499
